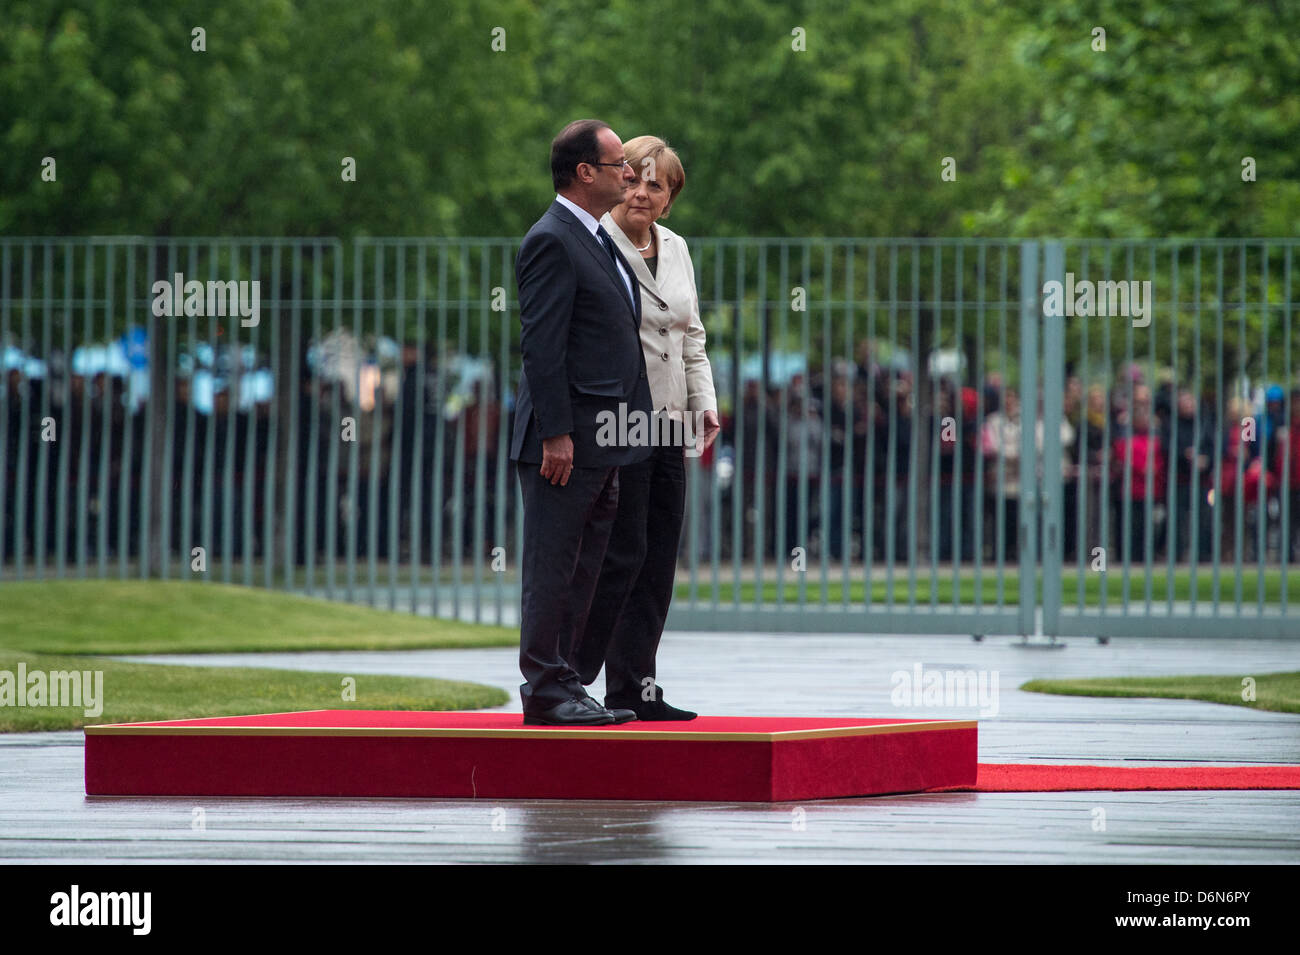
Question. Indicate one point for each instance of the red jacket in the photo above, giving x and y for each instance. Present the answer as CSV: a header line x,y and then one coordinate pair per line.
x,y
1142,445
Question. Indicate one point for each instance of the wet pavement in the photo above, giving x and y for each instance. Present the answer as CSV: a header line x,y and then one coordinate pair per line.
x,y
46,816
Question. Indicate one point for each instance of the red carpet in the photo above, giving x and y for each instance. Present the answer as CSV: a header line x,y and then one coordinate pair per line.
x,y
1019,778
495,756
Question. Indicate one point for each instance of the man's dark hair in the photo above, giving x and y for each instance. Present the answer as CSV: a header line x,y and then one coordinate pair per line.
x,y
576,143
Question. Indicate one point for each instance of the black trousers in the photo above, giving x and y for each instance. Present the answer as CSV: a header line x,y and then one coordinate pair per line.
x,y
566,528
636,580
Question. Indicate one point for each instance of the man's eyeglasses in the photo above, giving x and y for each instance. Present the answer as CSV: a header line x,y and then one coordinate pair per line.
x,y
616,165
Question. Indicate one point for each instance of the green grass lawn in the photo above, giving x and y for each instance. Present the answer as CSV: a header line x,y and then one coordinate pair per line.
x,y
147,691
1273,691
161,616
943,586
65,625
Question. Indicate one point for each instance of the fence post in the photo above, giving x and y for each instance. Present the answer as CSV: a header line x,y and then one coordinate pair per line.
x,y
1051,499
1030,310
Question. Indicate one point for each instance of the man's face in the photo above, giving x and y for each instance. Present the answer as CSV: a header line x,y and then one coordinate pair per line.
x,y
612,181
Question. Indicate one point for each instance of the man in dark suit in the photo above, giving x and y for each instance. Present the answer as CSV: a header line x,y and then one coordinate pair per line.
x,y
582,358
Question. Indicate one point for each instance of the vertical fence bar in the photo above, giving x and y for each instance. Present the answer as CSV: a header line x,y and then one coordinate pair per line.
x,y
1082,455
805,399
375,394
977,498
1264,433
334,434
187,464
1029,318
1148,492
478,400
170,492
933,424
129,418
783,431
1051,493
65,425
1289,463
40,492
1000,495
102,498
715,485
394,476
249,417
5,463
290,381
914,437
739,511
1239,511
1222,423
458,460
24,425
1172,499
828,410
760,444
41,502
1126,497
415,525
849,458
1199,490
869,477
354,445
436,505
891,418
280,384
315,420
503,486
958,550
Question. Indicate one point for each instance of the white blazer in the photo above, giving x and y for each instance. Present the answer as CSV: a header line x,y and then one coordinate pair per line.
x,y
672,336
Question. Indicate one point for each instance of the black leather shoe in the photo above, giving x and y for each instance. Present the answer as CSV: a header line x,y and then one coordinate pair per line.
x,y
653,710
620,716
573,712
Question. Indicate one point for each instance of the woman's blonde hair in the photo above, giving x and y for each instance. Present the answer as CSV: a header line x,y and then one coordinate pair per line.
x,y
663,163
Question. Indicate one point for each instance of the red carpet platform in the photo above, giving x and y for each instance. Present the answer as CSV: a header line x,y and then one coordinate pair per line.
x,y
1045,778
494,756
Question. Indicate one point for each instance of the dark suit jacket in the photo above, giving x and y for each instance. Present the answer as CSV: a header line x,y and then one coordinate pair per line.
x,y
580,341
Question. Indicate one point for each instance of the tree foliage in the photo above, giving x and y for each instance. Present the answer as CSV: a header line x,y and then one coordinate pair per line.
x,y
806,118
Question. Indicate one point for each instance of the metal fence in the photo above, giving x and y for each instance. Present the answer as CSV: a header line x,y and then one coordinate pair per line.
x,y
348,437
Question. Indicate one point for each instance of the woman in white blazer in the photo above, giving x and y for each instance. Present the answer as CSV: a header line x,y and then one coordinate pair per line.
x,y
636,580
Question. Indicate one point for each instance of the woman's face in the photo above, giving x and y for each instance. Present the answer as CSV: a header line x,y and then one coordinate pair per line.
x,y
647,197
1097,399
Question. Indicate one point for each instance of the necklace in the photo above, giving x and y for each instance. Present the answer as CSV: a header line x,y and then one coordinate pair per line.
x,y
650,243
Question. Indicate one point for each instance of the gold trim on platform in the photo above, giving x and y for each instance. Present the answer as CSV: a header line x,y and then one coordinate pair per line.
x,y
525,732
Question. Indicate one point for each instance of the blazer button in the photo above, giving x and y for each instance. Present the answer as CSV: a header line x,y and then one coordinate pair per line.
x,y
663,331
664,356
663,306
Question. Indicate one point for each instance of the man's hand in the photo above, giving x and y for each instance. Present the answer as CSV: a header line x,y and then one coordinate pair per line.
x,y
709,432
557,459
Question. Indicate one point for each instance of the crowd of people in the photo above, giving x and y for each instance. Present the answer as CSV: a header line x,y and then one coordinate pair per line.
x,y
1120,447
794,449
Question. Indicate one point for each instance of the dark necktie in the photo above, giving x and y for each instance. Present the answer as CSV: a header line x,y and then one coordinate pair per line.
x,y
608,243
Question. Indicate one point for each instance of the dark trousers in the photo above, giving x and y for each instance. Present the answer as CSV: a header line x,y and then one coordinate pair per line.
x,y
636,580
566,528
